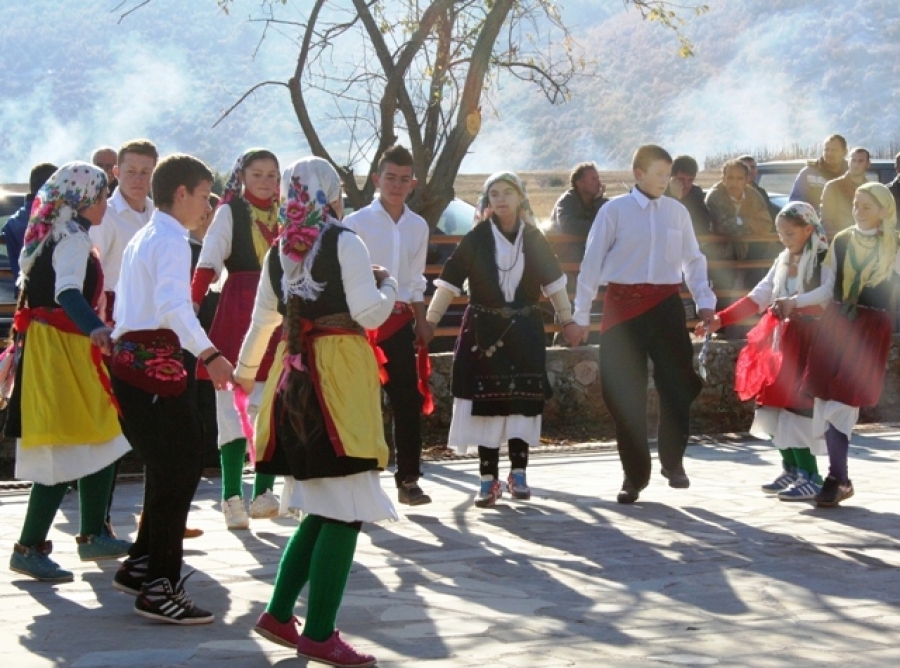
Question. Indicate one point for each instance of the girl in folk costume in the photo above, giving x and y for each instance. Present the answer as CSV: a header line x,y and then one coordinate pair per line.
x,y
850,350
499,371
66,428
244,228
328,429
770,367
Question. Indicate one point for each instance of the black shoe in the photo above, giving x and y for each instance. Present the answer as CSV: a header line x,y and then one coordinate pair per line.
x,y
131,575
160,602
677,478
411,494
629,493
833,492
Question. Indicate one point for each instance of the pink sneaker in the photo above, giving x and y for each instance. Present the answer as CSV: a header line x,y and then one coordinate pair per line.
x,y
286,634
334,651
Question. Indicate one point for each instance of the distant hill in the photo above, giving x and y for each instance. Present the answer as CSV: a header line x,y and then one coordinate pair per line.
x,y
768,73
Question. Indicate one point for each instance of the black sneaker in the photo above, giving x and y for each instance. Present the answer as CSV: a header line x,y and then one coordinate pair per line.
x,y
131,575
411,494
833,492
629,493
160,602
677,478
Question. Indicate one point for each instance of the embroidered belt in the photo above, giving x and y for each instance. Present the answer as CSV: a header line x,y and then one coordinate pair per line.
x,y
151,360
505,312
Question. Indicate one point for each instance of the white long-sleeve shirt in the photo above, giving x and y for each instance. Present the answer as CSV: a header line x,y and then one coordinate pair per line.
x,y
635,239
154,290
120,224
369,306
399,247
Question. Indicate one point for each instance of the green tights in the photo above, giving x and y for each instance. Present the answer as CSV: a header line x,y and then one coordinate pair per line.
x,y
320,552
801,459
232,456
45,500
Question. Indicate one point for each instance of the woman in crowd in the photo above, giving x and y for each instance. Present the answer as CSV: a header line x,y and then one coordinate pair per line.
x,y
244,228
770,367
499,372
849,354
329,431
66,429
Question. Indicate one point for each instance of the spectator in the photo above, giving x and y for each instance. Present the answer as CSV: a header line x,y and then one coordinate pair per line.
x,y
750,161
575,210
837,197
106,159
736,211
130,208
14,230
682,188
894,186
812,178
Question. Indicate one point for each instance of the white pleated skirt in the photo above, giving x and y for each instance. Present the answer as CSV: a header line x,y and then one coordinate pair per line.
x,y
468,431
353,498
786,430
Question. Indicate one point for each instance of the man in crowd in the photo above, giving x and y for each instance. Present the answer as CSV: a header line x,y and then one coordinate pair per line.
x,y
575,210
812,179
105,158
682,188
895,184
837,196
750,161
14,229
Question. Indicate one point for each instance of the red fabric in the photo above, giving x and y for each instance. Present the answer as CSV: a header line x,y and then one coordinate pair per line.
x,y
58,319
626,302
401,316
203,278
423,365
742,308
771,366
152,360
232,320
848,359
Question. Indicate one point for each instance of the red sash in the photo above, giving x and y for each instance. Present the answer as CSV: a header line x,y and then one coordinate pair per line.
x,y
625,302
151,360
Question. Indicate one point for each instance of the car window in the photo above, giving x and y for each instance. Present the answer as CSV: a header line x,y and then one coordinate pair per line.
x,y
777,182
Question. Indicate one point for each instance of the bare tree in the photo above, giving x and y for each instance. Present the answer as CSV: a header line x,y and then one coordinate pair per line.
x,y
419,72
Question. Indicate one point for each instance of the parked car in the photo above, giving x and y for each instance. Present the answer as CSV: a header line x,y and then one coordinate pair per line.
x,y
777,177
10,202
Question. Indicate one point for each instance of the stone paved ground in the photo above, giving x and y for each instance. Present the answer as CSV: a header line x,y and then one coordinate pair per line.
x,y
717,575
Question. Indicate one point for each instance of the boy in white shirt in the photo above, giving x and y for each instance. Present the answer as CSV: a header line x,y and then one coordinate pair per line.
x,y
640,247
154,321
397,240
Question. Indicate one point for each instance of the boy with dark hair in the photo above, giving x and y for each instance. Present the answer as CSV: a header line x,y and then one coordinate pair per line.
x,y
682,188
14,229
397,240
154,321
641,246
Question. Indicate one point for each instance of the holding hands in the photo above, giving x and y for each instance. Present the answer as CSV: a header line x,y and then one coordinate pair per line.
x,y
574,333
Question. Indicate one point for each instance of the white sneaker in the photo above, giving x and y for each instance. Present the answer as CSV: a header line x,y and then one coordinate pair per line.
x,y
235,514
265,505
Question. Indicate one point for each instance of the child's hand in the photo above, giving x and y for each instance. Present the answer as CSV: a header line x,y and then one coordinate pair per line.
x,y
380,273
714,325
782,308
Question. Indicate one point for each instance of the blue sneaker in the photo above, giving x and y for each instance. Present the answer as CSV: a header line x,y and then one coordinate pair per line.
x,y
804,488
100,547
517,485
35,563
782,482
489,492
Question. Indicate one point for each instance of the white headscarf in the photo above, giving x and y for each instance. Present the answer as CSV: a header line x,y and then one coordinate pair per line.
x,y
817,242
307,187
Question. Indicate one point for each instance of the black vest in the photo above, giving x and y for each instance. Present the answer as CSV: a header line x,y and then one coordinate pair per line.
x,y
243,252
41,282
873,296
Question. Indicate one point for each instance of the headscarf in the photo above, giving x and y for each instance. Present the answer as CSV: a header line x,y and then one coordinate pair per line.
x,y
859,273
234,187
525,212
307,187
71,189
817,242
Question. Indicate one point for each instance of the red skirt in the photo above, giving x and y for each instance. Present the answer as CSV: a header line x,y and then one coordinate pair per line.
x,y
232,321
771,366
848,359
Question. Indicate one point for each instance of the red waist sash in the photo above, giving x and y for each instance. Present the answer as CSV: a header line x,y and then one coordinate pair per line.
x,y
625,302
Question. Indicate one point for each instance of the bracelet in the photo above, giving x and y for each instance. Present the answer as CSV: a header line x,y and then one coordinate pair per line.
x,y
211,358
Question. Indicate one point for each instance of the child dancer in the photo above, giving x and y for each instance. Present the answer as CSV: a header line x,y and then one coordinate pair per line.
x,y
770,367
244,228
850,350
330,430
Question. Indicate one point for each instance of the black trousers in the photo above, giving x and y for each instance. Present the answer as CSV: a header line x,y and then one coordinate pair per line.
x,y
166,434
659,335
406,402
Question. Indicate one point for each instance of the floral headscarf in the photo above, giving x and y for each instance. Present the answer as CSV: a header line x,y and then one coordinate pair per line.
x,y
72,188
234,187
307,187
817,242
525,212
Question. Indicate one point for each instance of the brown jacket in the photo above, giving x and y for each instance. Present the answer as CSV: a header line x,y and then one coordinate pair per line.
x,y
837,204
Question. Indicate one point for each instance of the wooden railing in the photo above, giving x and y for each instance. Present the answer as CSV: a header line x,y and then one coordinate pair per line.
x,y
559,242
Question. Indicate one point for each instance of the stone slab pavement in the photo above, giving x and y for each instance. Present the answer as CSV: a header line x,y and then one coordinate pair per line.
x,y
716,575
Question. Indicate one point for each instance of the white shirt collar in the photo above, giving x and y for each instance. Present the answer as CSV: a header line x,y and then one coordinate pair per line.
x,y
169,223
642,200
119,203
378,206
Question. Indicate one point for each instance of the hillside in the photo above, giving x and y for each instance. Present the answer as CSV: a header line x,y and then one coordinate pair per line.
x,y
768,73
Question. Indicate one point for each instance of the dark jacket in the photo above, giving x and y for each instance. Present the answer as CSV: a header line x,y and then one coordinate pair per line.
x,y
14,233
